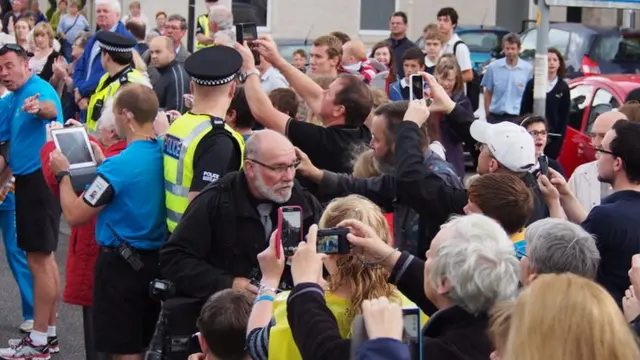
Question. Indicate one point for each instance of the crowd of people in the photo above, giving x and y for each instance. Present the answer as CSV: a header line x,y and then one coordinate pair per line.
x,y
195,156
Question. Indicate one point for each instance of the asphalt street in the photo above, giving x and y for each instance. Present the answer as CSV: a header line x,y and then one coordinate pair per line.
x,y
69,325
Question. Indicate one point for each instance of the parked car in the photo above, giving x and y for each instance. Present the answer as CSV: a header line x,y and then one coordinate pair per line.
x,y
590,97
286,47
589,50
481,40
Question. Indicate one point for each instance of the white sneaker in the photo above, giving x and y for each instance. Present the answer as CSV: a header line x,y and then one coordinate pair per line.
x,y
26,326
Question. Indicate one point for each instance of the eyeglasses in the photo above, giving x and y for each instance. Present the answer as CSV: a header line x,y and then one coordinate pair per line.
x,y
601,150
535,133
281,169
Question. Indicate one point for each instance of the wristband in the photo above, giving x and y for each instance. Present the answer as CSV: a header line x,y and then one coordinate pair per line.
x,y
264,297
263,289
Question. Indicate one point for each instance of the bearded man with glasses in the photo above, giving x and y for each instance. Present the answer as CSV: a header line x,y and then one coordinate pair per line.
x,y
217,241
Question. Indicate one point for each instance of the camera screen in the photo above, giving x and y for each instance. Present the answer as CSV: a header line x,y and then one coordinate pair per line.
x,y
291,230
411,334
328,244
249,32
418,87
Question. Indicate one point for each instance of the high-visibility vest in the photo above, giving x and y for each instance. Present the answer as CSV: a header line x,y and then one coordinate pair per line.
x,y
203,20
179,150
106,90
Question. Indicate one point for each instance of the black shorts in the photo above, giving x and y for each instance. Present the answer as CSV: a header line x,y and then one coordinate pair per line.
x,y
124,315
37,214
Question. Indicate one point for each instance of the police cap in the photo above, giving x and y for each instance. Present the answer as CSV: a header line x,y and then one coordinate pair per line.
x,y
114,42
213,66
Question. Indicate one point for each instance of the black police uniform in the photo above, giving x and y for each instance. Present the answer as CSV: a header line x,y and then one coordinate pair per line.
x,y
220,236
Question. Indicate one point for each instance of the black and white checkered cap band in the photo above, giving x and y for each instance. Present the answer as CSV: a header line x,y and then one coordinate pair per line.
x,y
115,49
218,82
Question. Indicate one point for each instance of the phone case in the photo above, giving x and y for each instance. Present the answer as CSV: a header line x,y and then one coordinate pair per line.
x,y
279,232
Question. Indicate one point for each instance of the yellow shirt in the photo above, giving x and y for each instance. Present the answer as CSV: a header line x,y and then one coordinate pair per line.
x,y
281,343
519,243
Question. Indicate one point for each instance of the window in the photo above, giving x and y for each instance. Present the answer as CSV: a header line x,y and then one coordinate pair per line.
x,y
528,47
580,99
256,11
617,48
375,14
603,102
481,41
559,39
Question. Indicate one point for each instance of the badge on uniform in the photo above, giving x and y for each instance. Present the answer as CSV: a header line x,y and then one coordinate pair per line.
x,y
172,146
96,191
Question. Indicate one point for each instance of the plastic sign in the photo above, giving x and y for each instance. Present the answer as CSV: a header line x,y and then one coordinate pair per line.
x,y
611,4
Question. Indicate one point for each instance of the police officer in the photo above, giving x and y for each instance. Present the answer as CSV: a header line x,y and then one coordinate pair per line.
x,y
203,39
117,61
200,147
229,223
127,196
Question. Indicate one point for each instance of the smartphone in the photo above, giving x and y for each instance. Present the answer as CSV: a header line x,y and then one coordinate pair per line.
x,y
544,165
248,32
416,88
333,241
412,333
289,229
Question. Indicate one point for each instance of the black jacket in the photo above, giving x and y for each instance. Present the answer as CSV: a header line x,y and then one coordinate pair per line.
x,y
450,334
172,84
556,113
424,191
220,236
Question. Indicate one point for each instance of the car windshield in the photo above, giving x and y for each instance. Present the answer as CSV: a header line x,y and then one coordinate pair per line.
x,y
481,40
625,47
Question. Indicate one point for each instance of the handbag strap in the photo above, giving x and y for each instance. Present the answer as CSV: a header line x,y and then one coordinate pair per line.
x,y
72,25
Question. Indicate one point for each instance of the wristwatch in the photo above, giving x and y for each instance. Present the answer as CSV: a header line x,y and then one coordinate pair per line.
x,y
61,174
245,75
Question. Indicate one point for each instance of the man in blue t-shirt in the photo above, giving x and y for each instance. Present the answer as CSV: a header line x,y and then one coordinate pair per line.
x,y
127,195
24,114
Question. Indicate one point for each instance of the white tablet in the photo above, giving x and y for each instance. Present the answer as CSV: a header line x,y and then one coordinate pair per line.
x,y
73,142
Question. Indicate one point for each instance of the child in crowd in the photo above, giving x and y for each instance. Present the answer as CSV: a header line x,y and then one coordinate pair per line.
x,y
412,63
354,60
433,43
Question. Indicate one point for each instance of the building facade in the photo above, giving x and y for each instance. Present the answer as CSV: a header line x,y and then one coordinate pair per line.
x,y
366,19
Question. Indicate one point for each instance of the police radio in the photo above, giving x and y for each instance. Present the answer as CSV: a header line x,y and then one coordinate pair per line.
x,y
129,254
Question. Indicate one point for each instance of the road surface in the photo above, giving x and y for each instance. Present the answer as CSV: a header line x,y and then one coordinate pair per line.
x,y
69,325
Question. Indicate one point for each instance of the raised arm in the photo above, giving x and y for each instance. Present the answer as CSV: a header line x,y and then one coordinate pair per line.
x,y
310,92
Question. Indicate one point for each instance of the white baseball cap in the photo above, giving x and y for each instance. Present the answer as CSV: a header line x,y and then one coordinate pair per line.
x,y
510,144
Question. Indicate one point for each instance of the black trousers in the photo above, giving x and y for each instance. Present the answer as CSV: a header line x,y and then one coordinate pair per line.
x,y
89,336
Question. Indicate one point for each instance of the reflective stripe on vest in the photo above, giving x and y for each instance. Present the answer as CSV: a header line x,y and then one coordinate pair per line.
x,y
203,20
103,93
179,150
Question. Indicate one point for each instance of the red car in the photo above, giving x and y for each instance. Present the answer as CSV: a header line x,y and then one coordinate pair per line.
x,y
590,97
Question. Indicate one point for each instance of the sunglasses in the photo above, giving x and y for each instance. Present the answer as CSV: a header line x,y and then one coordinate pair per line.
x,y
13,48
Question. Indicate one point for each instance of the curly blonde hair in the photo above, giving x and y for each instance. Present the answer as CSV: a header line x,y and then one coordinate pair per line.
x,y
365,165
365,281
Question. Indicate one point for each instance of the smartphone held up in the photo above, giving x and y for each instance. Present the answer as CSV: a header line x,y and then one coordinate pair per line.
x,y
417,87
248,32
289,232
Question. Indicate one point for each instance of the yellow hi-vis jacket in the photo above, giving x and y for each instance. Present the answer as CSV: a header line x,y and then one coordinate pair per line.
x,y
107,89
179,150
203,21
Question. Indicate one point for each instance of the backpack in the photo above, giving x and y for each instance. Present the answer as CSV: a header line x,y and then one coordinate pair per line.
x,y
473,87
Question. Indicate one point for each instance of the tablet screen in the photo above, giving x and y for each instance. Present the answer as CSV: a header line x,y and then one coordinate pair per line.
x,y
74,145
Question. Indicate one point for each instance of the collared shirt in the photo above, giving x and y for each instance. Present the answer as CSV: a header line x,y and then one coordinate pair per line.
x,y
403,83
614,225
506,85
462,53
552,84
95,51
272,79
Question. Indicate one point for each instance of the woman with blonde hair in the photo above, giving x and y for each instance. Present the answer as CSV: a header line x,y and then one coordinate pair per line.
x,y
41,63
351,281
560,317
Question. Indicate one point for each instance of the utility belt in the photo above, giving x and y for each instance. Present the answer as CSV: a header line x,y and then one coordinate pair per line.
x,y
131,255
